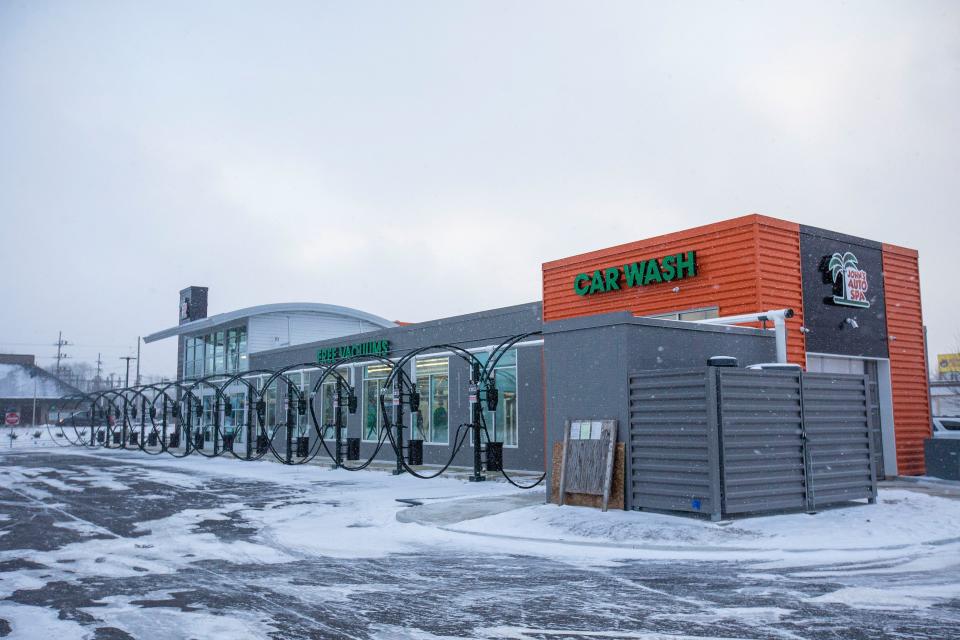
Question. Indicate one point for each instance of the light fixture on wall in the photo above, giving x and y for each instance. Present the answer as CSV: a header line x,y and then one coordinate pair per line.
x,y
853,323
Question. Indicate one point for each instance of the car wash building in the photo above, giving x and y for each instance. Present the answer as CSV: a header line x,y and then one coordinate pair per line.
x,y
856,305
664,304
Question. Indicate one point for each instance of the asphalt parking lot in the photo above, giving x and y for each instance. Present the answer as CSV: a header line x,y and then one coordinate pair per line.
x,y
112,545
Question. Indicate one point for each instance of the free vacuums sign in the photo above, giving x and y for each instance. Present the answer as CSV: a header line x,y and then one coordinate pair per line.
x,y
846,274
637,274
374,348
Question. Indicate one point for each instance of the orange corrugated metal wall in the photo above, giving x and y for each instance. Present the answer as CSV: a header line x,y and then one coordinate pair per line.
x,y
781,280
908,361
746,264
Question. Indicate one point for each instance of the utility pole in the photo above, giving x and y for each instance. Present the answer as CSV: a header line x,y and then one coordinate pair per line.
x,y
138,361
61,343
128,359
97,380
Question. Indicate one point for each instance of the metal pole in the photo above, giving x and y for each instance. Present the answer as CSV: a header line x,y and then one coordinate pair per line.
x,y
33,420
216,425
138,360
398,425
250,435
143,421
337,423
474,391
289,430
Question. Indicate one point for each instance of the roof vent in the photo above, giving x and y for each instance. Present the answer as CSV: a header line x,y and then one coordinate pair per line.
x,y
722,361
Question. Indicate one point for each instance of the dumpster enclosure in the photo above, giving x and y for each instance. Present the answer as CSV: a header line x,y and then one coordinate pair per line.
x,y
726,441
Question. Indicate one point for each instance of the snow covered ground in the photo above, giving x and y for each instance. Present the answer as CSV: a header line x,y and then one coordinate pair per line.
x,y
30,437
121,544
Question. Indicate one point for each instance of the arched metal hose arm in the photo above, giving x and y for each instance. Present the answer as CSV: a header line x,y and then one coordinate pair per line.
x,y
218,394
99,400
383,437
501,350
401,365
255,426
502,470
149,409
139,397
458,438
292,389
332,369
74,400
181,404
114,413
318,392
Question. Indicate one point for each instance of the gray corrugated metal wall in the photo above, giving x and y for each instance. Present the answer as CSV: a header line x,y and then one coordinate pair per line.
x,y
837,413
730,441
762,435
673,441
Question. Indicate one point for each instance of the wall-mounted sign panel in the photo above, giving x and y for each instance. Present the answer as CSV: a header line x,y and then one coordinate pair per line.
x,y
844,308
374,348
637,274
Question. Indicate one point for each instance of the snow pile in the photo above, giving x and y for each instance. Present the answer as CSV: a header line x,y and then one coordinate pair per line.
x,y
899,518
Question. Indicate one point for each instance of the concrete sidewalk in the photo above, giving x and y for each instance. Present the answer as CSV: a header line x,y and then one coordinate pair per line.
x,y
449,512
924,484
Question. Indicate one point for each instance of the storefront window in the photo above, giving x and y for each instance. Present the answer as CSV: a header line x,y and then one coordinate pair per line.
x,y
270,398
208,351
242,362
328,390
188,354
373,380
432,376
219,345
502,423
232,350
207,418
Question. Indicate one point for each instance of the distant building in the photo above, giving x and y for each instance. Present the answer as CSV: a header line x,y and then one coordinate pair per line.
x,y
27,392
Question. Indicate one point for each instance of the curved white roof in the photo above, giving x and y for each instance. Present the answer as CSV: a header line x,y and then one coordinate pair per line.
x,y
262,309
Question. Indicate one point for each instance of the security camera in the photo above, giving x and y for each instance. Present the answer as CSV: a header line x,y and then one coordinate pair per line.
x,y
853,323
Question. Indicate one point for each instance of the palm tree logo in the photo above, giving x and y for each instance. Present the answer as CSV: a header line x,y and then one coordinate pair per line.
x,y
853,281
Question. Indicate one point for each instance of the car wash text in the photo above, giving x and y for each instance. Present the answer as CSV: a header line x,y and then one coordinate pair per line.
x,y
636,274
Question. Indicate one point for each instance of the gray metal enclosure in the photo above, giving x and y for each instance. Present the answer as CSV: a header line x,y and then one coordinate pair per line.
x,y
724,441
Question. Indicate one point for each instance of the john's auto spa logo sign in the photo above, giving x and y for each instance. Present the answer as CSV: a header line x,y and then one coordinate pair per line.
x,y
849,281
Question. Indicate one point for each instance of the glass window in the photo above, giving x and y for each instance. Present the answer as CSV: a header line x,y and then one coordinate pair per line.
x,y
270,399
188,351
327,392
208,351
197,357
502,423
232,350
373,379
690,315
242,362
432,376
299,421
207,417
219,344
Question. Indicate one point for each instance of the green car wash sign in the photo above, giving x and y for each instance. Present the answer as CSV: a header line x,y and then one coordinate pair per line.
x,y
636,274
375,348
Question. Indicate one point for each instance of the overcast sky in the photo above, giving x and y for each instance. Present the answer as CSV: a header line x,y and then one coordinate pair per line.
x,y
422,159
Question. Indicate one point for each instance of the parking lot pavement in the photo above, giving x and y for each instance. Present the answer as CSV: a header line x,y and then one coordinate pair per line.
x,y
119,545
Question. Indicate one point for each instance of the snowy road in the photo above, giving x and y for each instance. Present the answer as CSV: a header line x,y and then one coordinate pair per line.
x,y
119,545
